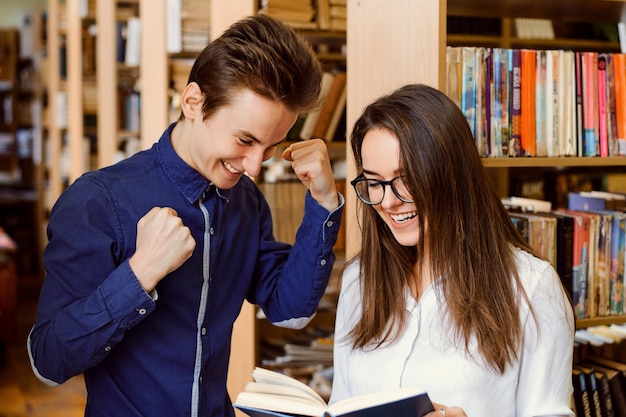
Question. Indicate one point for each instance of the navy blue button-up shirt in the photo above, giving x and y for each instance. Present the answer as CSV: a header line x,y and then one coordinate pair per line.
x,y
166,353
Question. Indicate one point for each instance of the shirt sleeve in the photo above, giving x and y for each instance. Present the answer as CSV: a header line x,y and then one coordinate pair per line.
x,y
545,380
289,290
89,298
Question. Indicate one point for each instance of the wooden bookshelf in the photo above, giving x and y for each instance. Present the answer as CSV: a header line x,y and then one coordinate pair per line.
x,y
563,11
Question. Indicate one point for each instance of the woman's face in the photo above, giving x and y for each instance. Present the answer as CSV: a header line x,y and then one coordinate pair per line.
x,y
380,152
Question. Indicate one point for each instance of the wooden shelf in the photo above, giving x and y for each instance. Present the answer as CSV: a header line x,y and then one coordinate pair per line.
x,y
599,321
611,11
514,42
554,162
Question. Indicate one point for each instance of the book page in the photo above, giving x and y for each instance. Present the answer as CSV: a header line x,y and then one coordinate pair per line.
x,y
266,376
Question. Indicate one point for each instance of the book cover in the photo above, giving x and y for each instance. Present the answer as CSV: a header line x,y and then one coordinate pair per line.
x,y
453,74
581,395
578,201
619,71
567,107
580,263
556,104
592,390
616,286
591,139
604,390
276,394
603,264
311,119
335,120
611,101
133,42
515,77
580,114
603,138
543,108
469,85
528,105
564,246
337,88
500,117
483,114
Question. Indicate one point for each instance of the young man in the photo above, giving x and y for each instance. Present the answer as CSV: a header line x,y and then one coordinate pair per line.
x,y
149,260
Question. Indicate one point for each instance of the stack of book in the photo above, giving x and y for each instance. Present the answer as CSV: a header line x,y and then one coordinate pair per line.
x,y
299,14
194,23
332,15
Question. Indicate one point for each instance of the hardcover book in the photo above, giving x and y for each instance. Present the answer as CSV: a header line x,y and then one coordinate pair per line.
x,y
276,394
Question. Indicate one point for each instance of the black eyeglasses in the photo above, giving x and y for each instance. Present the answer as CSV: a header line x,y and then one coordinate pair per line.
x,y
372,191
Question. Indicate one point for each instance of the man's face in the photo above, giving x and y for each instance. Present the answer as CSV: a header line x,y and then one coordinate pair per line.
x,y
237,138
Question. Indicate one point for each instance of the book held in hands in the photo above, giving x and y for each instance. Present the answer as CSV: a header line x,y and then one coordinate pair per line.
x,y
275,394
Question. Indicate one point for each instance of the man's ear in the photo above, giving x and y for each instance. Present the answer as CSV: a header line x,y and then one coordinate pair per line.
x,y
191,101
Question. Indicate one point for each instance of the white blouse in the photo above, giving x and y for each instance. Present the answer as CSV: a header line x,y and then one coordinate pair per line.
x,y
538,383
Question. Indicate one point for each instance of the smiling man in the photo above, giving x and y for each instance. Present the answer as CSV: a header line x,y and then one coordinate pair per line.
x,y
149,260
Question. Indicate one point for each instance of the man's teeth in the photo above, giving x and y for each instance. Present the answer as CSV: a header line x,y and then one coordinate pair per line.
x,y
399,218
230,168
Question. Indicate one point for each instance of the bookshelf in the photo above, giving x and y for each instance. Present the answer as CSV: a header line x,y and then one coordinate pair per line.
x,y
19,130
500,15
502,33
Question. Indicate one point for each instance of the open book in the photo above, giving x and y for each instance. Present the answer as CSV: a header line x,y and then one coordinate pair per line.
x,y
276,394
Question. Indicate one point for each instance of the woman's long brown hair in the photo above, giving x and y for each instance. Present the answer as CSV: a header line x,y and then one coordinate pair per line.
x,y
469,233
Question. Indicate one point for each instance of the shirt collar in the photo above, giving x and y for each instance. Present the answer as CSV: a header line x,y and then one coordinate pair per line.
x,y
187,180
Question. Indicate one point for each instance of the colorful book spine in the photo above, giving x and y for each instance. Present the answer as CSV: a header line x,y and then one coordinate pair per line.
x,y
468,86
602,107
528,112
590,104
541,93
515,69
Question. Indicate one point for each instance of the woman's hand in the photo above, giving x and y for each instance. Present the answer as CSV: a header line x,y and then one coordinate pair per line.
x,y
443,411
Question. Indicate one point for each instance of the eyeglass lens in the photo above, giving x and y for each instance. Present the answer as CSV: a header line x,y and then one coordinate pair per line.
x,y
372,191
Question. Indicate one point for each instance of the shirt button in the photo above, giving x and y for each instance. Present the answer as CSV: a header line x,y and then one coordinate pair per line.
x,y
203,331
212,231
330,223
323,262
107,348
141,311
200,379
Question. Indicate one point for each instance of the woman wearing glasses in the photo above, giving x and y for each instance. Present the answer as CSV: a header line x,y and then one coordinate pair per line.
x,y
444,293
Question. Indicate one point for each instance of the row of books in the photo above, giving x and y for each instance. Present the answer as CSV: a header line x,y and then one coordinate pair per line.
x,y
586,243
599,387
599,373
524,102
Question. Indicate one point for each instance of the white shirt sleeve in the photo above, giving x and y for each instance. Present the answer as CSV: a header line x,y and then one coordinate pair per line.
x,y
545,384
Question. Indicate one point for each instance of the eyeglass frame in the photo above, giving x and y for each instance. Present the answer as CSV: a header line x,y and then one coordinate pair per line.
x,y
361,177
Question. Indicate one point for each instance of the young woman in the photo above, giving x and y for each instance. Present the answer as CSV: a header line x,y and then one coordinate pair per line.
x,y
444,293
